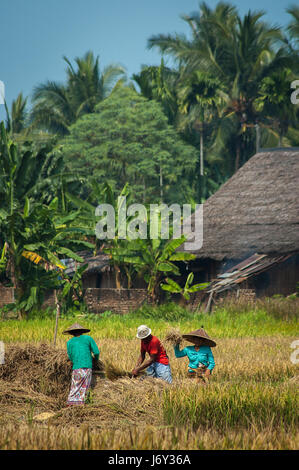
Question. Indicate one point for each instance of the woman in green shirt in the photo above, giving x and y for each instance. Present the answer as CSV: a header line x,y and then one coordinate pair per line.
x,y
80,349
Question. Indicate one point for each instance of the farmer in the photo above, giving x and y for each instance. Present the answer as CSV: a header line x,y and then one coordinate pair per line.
x,y
157,365
79,350
201,359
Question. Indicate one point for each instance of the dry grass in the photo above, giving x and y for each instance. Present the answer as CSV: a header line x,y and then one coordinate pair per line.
x,y
253,381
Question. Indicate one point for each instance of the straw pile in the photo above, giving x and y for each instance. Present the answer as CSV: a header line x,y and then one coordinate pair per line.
x,y
173,336
43,368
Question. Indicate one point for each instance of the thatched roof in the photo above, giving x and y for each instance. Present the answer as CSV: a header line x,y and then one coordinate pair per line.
x,y
96,263
256,210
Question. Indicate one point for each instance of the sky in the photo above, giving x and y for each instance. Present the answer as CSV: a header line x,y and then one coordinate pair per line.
x,y
36,34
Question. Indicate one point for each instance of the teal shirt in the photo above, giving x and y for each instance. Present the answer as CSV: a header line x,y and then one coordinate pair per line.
x,y
79,349
203,355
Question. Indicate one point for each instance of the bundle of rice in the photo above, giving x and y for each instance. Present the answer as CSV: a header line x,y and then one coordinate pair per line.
x,y
174,336
113,372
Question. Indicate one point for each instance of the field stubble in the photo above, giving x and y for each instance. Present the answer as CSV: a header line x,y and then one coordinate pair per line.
x,y
250,403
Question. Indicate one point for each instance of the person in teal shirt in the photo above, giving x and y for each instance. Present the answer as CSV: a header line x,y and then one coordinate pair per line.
x,y
201,359
80,350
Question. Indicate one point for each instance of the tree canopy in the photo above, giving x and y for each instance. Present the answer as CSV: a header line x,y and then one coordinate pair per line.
x,y
128,138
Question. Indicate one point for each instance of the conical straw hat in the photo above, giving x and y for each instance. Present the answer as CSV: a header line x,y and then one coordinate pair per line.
x,y
75,327
200,333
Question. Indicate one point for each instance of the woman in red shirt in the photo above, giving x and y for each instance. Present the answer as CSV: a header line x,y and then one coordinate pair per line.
x,y
157,365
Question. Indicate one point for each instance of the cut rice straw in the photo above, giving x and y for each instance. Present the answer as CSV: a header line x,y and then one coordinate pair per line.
x,y
173,336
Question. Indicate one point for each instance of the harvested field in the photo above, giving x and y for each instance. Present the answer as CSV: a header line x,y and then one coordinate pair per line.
x,y
250,402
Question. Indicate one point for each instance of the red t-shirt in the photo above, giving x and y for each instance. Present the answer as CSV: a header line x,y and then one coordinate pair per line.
x,y
154,346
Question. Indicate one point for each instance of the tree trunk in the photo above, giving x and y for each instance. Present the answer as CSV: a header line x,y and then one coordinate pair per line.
x,y
258,138
201,153
117,277
161,185
238,153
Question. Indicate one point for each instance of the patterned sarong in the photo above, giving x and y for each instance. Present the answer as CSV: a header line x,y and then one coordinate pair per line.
x,y
81,379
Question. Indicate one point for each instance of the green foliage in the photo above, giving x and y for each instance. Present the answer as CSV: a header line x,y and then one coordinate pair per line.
x,y
32,235
188,288
71,295
238,52
16,119
152,258
222,323
58,106
129,139
165,312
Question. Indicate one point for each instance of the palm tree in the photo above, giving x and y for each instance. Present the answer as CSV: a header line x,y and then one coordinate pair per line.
x,y
16,119
200,96
57,106
240,52
293,27
274,102
160,83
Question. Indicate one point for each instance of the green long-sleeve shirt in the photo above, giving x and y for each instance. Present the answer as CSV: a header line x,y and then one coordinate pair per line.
x,y
204,356
79,349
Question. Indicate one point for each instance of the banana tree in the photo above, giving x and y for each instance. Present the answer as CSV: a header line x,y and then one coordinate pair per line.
x,y
72,292
115,246
36,239
185,291
155,257
31,233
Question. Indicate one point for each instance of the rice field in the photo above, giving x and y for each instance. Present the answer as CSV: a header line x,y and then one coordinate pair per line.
x,y
251,401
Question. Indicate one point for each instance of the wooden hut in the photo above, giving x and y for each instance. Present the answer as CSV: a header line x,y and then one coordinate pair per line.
x,y
251,227
98,272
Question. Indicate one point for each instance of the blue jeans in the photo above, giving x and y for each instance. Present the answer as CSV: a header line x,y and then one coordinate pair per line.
x,y
159,371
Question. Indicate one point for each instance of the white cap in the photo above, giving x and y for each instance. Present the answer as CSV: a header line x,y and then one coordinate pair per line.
x,y
143,332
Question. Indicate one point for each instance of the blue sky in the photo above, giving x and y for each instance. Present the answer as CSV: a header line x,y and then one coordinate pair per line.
x,y
35,34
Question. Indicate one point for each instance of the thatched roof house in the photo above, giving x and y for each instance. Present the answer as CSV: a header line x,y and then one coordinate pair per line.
x,y
98,272
255,211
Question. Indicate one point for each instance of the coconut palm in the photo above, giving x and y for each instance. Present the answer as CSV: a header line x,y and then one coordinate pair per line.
x,y
274,102
16,119
200,96
57,106
160,83
293,27
240,52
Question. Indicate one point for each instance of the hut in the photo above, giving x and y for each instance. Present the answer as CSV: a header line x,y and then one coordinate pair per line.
x,y
99,285
98,272
251,228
